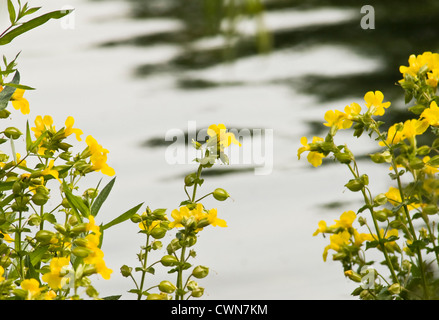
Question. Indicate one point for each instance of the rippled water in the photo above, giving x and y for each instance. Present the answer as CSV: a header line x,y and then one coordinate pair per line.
x,y
127,90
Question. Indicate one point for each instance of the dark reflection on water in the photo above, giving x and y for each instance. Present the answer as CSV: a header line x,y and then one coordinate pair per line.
x,y
401,28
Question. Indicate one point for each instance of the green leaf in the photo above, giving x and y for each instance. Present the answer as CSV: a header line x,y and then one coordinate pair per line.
x,y
31,24
8,91
11,10
100,199
28,136
123,217
35,256
76,201
115,297
18,86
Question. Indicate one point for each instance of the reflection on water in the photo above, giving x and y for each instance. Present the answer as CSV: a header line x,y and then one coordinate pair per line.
x,y
141,80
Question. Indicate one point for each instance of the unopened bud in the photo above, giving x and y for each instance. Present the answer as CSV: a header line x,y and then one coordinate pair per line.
x,y
220,194
125,270
81,252
200,272
353,275
197,292
44,236
12,133
167,286
189,180
169,260
40,199
158,232
395,288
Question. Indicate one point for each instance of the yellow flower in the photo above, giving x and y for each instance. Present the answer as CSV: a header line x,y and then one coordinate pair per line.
x,y
98,156
6,237
431,114
50,171
315,158
394,135
214,220
2,271
322,228
428,59
42,125
53,278
20,103
144,226
359,238
433,78
394,197
32,286
224,138
69,129
337,241
337,119
374,102
429,169
414,127
346,220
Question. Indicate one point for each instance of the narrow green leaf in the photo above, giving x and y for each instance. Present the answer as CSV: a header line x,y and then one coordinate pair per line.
x,y
6,185
35,256
100,199
8,91
31,10
28,136
123,217
18,86
31,24
75,201
11,10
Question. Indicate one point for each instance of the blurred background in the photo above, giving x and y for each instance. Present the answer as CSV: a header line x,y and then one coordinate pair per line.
x,y
129,71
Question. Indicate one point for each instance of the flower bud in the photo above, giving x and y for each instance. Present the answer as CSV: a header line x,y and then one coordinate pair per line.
x,y
220,194
81,252
380,215
354,185
380,199
12,133
169,260
353,275
155,296
192,285
40,199
81,242
44,236
136,218
60,228
158,232
189,180
200,272
381,157
203,223
173,246
197,292
395,288
65,203
82,227
167,286
125,270
4,114
430,209
34,220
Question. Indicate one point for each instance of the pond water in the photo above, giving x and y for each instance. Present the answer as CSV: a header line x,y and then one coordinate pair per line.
x,y
126,74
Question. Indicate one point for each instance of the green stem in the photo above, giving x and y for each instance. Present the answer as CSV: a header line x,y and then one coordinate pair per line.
x,y
145,259
194,193
377,229
180,295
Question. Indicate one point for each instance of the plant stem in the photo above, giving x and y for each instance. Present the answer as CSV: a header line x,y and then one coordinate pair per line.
x,y
145,259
